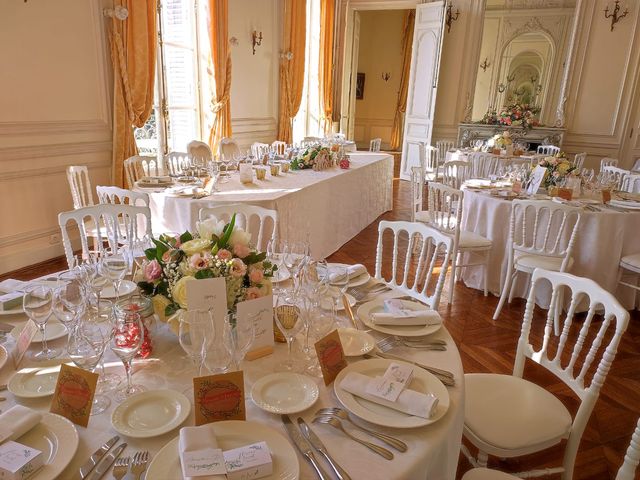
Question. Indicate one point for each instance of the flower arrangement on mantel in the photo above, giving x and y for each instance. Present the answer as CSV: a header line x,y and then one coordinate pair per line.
x,y
500,140
216,250
318,157
558,169
514,115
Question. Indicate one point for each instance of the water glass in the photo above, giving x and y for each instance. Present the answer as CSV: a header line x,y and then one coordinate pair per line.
x,y
289,321
238,337
38,306
196,333
128,336
115,268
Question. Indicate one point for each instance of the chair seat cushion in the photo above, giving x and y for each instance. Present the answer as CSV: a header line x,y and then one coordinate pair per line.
x,y
631,262
473,240
529,262
486,474
511,413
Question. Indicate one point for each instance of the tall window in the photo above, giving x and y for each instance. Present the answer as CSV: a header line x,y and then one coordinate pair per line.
x,y
183,89
307,123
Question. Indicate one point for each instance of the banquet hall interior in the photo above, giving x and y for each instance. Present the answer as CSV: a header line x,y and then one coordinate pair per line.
x,y
320,239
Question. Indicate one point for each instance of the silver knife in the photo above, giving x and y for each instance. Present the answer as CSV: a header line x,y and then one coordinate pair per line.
x,y
304,447
310,435
106,462
93,460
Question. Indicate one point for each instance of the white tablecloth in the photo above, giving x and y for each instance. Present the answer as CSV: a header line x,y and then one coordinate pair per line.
x,y
602,239
329,207
433,450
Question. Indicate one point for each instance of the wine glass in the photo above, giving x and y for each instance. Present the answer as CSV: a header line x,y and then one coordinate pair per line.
x,y
115,267
128,336
288,320
195,335
65,307
275,254
238,337
38,305
339,279
101,314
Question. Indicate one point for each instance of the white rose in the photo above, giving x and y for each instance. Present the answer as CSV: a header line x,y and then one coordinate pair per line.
x,y
239,236
209,227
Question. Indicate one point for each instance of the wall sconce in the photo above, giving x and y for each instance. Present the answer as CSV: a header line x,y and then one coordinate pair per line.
x,y
119,12
484,65
288,56
256,40
451,17
615,18
386,76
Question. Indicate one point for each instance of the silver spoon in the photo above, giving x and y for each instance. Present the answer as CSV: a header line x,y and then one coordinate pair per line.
x,y
335,423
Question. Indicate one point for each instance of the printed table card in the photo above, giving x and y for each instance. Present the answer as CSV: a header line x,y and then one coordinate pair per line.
x,y
24,339
73,397
536,179
259,311
219,397
249,462
202,463
209,294
330,356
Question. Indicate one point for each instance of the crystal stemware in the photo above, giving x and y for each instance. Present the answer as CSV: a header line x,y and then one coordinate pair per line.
x,y
196,333
38,305
289,320
115,267
102,314
127,339
238,337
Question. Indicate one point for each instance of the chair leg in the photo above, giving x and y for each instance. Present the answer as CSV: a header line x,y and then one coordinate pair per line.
x,y
506,288
452,276
486,272
513,283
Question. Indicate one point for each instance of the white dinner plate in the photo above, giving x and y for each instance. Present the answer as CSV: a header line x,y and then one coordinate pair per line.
x,y
34,382
4,356
149,414
54,330
232,434
355,342
127,287
630,204
57,439
355,281
284,393
423,382
325,303
366,309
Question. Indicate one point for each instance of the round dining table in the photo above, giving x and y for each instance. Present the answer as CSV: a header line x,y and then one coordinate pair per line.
x,y
433,449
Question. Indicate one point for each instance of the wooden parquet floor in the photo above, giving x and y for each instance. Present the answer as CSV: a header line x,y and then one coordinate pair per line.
x,y
488,346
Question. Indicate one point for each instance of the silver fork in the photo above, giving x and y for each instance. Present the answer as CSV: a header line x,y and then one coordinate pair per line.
x,y
391,342
139,464
121,467
335,423
361,293
342,414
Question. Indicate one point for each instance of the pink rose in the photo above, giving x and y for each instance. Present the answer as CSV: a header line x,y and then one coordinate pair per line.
x,y
166,256
241,250
256,275
238,268
224,254
198,262
152,271
253,293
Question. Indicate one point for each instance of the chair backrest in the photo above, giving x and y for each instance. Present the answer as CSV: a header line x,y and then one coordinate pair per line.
x,y
253,219
578,160
455,172
417,185
229,148
175,162
115,225
613,176
443,146
516,162
374,144
420,275
140,166
580,356
259,150
543,227
631,183
199,152
279,147
445,209
483,165
608,162
631,460
121,196
80,186
636,165
547,149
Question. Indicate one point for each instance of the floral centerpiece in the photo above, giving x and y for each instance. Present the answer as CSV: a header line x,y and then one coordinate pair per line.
x,y
217,250
501,140
558,169
318,157
514,115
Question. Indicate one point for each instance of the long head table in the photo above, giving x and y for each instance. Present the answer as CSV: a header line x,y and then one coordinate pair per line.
x,y
328,207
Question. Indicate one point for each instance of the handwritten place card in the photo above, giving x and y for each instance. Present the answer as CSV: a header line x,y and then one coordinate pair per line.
x,y
331,356
219,397
259,311
24,339
209,294
249,462
202,463
536,179
74,394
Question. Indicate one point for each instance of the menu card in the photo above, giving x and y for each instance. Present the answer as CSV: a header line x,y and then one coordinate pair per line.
x,y
73,397
259,311
24,339
209,294
331,356
219,397
536,179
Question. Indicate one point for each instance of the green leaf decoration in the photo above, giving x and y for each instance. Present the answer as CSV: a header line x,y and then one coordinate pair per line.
x,y
171,309
146,288
200,274
185,237
228,230
254,258
150,253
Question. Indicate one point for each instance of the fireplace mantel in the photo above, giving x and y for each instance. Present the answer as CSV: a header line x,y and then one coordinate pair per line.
x,y
534,136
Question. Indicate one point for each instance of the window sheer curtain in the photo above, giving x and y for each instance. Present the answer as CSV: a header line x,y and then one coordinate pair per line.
x,y
401,104
221,57
133,55
291,69
327,24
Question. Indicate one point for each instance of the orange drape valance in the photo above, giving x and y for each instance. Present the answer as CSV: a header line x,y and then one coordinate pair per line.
x,y
292,65
221,57
327,23
401,104
133,55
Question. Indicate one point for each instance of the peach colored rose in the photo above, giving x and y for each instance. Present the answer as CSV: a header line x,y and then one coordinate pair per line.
x,y
256,275
224,254
238,268
166,256
152,271
253,293
241,250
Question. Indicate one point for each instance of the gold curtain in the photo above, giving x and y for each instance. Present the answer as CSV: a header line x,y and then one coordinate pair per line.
x,y
292,70
221,57
401,104
327,21
133,55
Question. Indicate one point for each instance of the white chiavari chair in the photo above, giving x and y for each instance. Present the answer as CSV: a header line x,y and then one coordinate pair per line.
x,y
259,222
542,234
454,173
483,165
508,416
613,176
259,150
443,146
516,162
631,183
578,160
429,162
608,162
140,166
630,263
80,186
175,163
547,150
445,215
374,144
279,147
636,165
122,196
121,225
229,149
419,273
199,152
418,214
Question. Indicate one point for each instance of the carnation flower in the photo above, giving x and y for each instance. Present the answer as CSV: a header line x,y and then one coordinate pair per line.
x,y
224,254
238,268
256,275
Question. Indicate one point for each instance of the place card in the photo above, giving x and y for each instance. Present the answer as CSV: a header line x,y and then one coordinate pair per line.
x,y
219,397
24,339
384,388
202,463
18,461
259,311
537,177
331,356
209,294
73,397
249,462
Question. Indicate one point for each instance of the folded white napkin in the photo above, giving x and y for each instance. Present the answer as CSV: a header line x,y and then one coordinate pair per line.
x,y
198,438
407,317
353,270
10,285
17,421
409,402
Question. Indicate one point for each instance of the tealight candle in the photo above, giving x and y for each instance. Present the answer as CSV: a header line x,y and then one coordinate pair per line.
x,y
261,173
275,169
